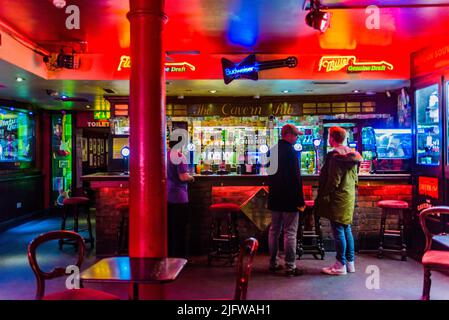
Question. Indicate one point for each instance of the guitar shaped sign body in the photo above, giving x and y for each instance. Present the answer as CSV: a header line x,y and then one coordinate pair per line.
x,y
249,68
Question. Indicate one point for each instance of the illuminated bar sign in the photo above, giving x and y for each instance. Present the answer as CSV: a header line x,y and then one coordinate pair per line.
x,y
249,68
244,109
337,63
102,115
428,187
125,63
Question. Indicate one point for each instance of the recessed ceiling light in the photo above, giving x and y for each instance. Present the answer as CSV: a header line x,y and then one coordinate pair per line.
x,y
64,97
20,79
213,91
87,107
285,91
356,91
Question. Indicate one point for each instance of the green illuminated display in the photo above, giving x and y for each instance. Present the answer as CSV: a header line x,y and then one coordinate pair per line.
x,y
62,174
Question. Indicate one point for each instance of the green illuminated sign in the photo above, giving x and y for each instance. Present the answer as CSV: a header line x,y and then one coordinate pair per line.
x,y
102,115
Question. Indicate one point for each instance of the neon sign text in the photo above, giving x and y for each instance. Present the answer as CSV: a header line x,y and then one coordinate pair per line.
x,y
230,72
337,63
125,63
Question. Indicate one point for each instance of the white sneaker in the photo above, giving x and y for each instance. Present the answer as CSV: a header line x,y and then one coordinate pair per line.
x,y
350,267
337,269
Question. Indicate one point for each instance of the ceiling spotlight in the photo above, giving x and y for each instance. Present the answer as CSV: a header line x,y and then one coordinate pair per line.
x,y
285,91
20,79
87,107
213,91
388,93
64,97
356,91
317,19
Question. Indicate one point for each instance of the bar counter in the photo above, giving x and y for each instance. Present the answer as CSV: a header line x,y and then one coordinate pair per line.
x,y
250,192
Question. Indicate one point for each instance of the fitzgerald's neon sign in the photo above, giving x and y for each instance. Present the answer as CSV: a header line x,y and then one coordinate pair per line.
x,y
337,63
125,63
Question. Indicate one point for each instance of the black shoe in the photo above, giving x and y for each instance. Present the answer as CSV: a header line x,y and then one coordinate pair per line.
x,y
294,272
276,268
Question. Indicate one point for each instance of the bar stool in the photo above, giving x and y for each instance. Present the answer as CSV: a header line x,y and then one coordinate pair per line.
x,y
224,235
73,205
396,206
122,232
316,246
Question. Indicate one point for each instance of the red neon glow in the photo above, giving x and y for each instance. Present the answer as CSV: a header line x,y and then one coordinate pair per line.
x,y
428,187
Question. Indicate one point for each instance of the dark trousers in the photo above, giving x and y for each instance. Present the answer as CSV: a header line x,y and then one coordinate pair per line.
x,y
178,222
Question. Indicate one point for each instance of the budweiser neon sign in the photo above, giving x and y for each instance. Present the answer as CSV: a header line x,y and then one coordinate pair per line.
x,y
125,63
337,63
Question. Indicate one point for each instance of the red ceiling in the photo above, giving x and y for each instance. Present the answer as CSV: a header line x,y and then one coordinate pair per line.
x,y
205,25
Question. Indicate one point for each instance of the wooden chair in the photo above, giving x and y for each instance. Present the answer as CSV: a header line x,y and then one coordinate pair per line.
x,y
41,276
244,266
432,259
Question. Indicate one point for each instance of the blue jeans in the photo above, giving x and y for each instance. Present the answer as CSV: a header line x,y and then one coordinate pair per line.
x,y
288,221
344,242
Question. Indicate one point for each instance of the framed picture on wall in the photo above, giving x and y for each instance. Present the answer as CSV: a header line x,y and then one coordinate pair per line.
x,y
84,146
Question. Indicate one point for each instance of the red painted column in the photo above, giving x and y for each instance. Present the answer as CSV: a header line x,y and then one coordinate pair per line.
x,y
147,234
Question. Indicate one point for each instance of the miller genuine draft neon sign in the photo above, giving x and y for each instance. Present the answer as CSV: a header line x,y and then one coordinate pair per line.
x,y
125,63
337,63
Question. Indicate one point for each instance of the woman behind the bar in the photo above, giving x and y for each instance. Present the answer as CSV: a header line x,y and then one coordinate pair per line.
x,y
178,212
336,199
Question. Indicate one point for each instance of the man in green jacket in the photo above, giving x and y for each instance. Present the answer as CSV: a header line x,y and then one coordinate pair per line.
x,y
336,198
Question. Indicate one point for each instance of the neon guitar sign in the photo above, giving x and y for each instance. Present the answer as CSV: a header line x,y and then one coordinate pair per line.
x,y
249,68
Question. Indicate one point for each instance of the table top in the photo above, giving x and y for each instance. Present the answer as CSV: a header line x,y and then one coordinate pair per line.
x,y
138,270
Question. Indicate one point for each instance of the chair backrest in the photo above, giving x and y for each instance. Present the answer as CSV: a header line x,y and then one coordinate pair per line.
x,y
41,276
422,220
244,266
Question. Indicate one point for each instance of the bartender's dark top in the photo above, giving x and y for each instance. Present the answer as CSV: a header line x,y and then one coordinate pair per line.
x,y
284,180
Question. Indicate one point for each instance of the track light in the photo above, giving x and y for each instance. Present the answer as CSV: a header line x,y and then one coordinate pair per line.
x,y
317,19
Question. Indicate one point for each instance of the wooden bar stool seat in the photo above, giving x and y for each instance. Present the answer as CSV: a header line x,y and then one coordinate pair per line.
x,y
314,237
224,236
74,205
393,206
